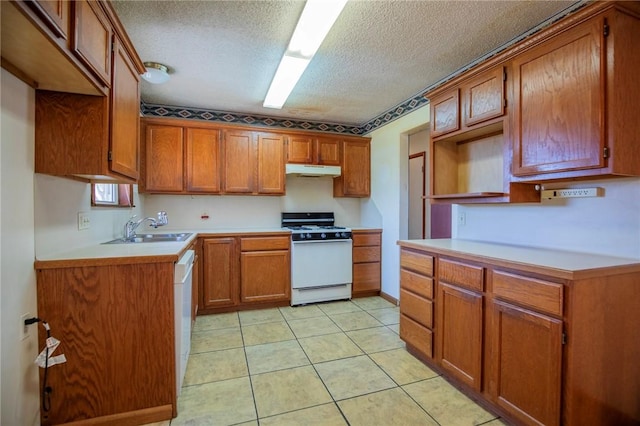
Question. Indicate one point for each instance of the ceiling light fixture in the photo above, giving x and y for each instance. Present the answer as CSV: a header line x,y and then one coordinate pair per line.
x,y
315,22
156,73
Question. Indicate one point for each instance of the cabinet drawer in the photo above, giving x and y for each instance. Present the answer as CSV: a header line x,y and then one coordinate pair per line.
x,y
366,277
366,254
462,274
366,239
264,243
416,335
417,308
542,295
416,261
416,283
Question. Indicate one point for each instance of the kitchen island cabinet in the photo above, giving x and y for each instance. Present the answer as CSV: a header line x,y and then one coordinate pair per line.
x,y
115,322
541,336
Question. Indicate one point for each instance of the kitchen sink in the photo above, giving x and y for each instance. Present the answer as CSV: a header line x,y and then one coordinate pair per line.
x,y
151,238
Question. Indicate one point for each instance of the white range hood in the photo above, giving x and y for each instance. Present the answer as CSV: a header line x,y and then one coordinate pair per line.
x,y
312,170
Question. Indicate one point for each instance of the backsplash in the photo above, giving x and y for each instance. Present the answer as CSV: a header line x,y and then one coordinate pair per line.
x,y
246,211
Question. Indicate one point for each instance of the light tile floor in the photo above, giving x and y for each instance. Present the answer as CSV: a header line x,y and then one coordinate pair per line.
x,y
336,363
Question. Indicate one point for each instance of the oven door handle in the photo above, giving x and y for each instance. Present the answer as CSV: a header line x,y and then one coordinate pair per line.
x,y
348,240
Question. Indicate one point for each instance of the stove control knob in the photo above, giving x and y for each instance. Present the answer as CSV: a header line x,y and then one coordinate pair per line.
x,y
344,235
337,235
308,235
323,235
302,236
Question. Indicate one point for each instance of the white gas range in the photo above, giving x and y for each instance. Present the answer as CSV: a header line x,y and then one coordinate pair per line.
x,y
321,258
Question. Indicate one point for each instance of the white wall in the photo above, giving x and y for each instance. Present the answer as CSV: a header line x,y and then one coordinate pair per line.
x,y
58,202
19,375
389,184
607,225
229,211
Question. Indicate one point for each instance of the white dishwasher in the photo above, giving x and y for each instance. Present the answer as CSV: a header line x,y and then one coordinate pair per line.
x,y
182,313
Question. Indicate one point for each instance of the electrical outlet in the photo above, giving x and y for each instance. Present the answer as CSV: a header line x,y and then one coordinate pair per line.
x,y
24,329
462,218
83,221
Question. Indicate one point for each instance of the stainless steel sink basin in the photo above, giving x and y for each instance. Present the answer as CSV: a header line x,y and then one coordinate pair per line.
x,y
151,238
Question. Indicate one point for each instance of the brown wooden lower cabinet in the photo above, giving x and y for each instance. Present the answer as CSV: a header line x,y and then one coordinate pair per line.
x,y
242,271
537,344
526,363
115,324
366,262
460,333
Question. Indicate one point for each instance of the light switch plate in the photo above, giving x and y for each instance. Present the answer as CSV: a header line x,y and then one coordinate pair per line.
x,y
83,221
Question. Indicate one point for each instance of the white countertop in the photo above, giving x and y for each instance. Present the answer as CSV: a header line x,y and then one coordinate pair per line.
x,y
553,260
154,249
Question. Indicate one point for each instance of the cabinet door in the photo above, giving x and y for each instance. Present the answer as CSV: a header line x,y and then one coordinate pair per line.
x,y
239,162
328,151
54,14
92,38
559,92
355,180
483,97
265,276
300,149
271,158
163,158
527,360
445,113
125,114
366,277
460,333
203,160
220,273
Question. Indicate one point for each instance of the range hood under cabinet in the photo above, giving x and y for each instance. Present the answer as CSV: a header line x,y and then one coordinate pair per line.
x,y
312,170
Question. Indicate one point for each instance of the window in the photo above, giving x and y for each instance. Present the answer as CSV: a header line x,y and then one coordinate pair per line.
x,y
112,195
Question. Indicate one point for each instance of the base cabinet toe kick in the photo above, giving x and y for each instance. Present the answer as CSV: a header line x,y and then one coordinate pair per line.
x,y
536,344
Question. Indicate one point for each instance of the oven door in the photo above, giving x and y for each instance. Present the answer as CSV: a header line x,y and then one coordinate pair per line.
x,y
321,263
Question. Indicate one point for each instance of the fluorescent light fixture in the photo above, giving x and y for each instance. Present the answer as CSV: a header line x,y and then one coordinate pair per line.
x,y
315,22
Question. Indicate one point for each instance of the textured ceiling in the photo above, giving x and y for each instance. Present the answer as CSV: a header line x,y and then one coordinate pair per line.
x,y
222,55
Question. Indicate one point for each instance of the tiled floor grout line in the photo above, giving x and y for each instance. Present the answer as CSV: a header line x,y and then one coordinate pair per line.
x,y
246,360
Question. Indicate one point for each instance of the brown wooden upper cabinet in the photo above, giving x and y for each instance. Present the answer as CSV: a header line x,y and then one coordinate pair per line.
x,y
483,97
305,149
54,14
576,99
271,164
445,113
202,160
355,180
92,38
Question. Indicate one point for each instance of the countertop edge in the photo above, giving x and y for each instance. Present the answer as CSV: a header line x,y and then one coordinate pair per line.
x,y
633,265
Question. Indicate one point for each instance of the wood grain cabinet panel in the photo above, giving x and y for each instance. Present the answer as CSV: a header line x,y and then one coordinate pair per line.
x,y
164,153
116,327
92,38
527,361
445,113
54,14
420,337
239,162
484,97
417,308
355,180
125,110
306,149
540,295
202,160
558,111
328,151
416,283
271,164
366,257
460,325
220,273
416,261
265,276
462,274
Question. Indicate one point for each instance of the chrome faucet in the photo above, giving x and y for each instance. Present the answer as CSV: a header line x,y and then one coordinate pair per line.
x,y
132,224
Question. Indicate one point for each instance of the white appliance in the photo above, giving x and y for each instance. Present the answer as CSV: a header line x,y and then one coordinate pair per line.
x,y
312,170
183,274
321,258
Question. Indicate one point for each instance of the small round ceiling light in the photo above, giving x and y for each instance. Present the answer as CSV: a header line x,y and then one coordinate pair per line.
x,y
156,73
